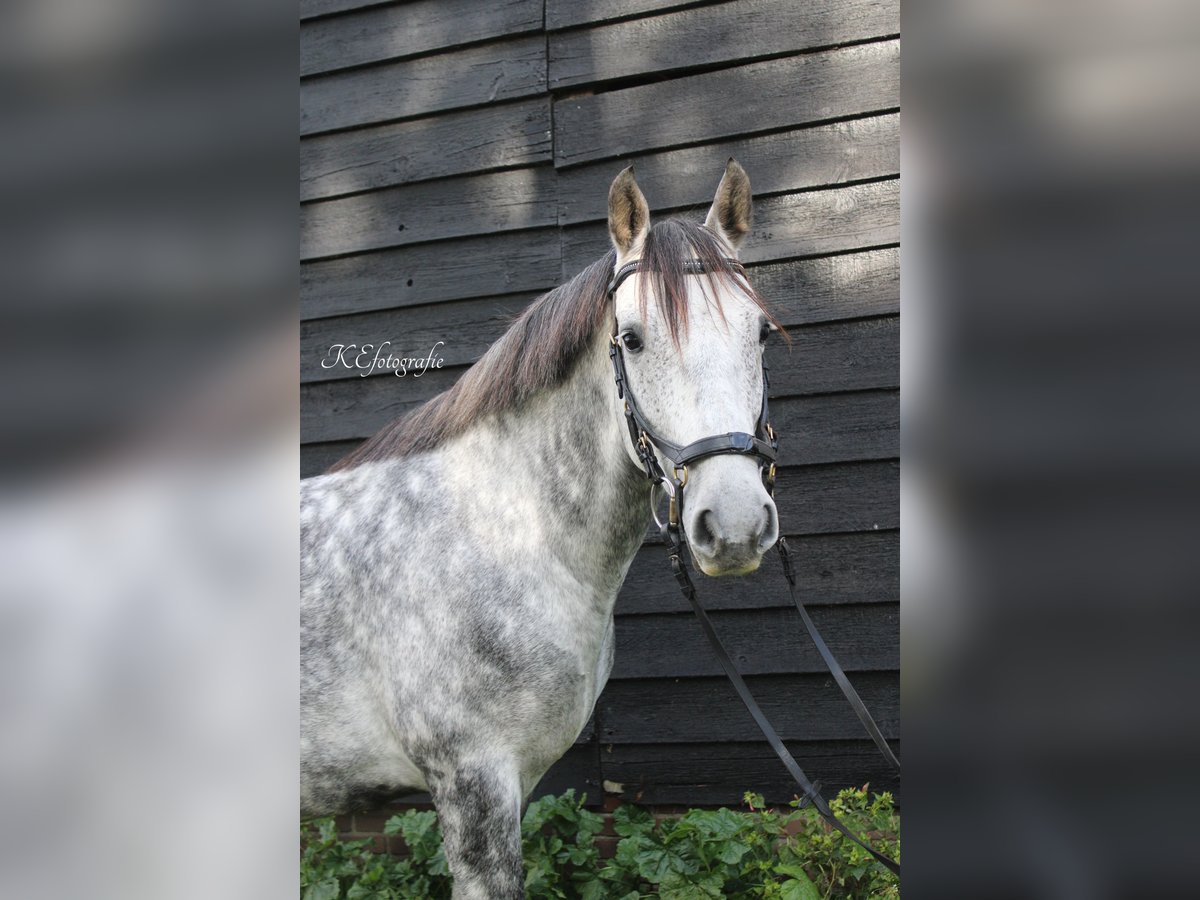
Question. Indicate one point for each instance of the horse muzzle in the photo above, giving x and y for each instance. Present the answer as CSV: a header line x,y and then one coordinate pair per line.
x,y
730,539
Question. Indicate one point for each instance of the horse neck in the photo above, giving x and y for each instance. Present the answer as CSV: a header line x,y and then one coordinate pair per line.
x,y
557,474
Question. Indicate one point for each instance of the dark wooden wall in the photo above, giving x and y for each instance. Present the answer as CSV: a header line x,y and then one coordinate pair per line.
x,y
455,160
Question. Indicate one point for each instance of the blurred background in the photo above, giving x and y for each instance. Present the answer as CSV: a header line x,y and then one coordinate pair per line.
x,y
148,232
1050,443
147,495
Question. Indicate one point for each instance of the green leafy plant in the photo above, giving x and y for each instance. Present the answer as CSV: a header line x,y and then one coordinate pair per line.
x,y
789,854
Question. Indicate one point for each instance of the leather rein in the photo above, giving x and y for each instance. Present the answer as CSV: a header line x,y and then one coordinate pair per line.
x,y
764,446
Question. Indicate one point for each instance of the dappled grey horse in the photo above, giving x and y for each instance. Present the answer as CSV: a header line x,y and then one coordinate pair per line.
x,y
459,570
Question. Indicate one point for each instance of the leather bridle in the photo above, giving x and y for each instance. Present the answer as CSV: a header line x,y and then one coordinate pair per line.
x,y
764,446
646,440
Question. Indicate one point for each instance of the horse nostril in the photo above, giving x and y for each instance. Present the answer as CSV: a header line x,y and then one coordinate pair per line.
x,y
705,529
769,532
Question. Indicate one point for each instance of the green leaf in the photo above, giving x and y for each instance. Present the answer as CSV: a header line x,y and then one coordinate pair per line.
x,y
800,886
677,887
328,889
629,820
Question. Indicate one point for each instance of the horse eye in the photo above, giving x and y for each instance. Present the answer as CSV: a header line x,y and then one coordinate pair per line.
x,y
632,342
764,332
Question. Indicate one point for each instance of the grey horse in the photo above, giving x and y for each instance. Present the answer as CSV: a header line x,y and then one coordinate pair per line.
x,y
459,569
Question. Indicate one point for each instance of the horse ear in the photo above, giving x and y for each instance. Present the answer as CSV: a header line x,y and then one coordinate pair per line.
x,y
729,215
628,213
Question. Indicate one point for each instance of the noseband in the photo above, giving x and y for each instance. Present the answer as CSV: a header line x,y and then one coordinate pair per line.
x,y
762,445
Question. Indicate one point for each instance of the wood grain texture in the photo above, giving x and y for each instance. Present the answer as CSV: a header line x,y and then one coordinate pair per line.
x,y
779,93
501,136
686,710
388,32
429,211
827,288
335,410
842,356
466,329
708,35
817,156
838,427
719,773
311,8
851,496
859,567
810,223
799,292
446,270
571,13
317,458
761,642
486,74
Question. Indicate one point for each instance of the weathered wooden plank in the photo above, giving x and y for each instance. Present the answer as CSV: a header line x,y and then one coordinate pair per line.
x,y
578,769
719,773
686,710
465,328
838,427
417,87
335,410
316,458
569,13
817,156
804,291
761,96
827,288
761,642
812,290
841,356
457,143
800,292
710,35
390,32
311,8
862,567
428,211
446,270
853,496
809,223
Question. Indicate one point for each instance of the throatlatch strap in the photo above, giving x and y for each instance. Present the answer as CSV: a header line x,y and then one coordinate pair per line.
x,y
831,663
679,569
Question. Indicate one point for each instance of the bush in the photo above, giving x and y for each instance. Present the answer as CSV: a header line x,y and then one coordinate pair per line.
x,y
759,853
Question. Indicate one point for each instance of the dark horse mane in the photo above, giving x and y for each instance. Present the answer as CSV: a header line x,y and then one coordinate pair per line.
x,y
543,344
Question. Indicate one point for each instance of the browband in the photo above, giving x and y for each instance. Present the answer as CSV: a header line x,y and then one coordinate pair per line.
x,y
691,266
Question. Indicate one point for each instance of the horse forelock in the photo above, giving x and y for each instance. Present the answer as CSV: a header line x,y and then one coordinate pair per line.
x,y
541,347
